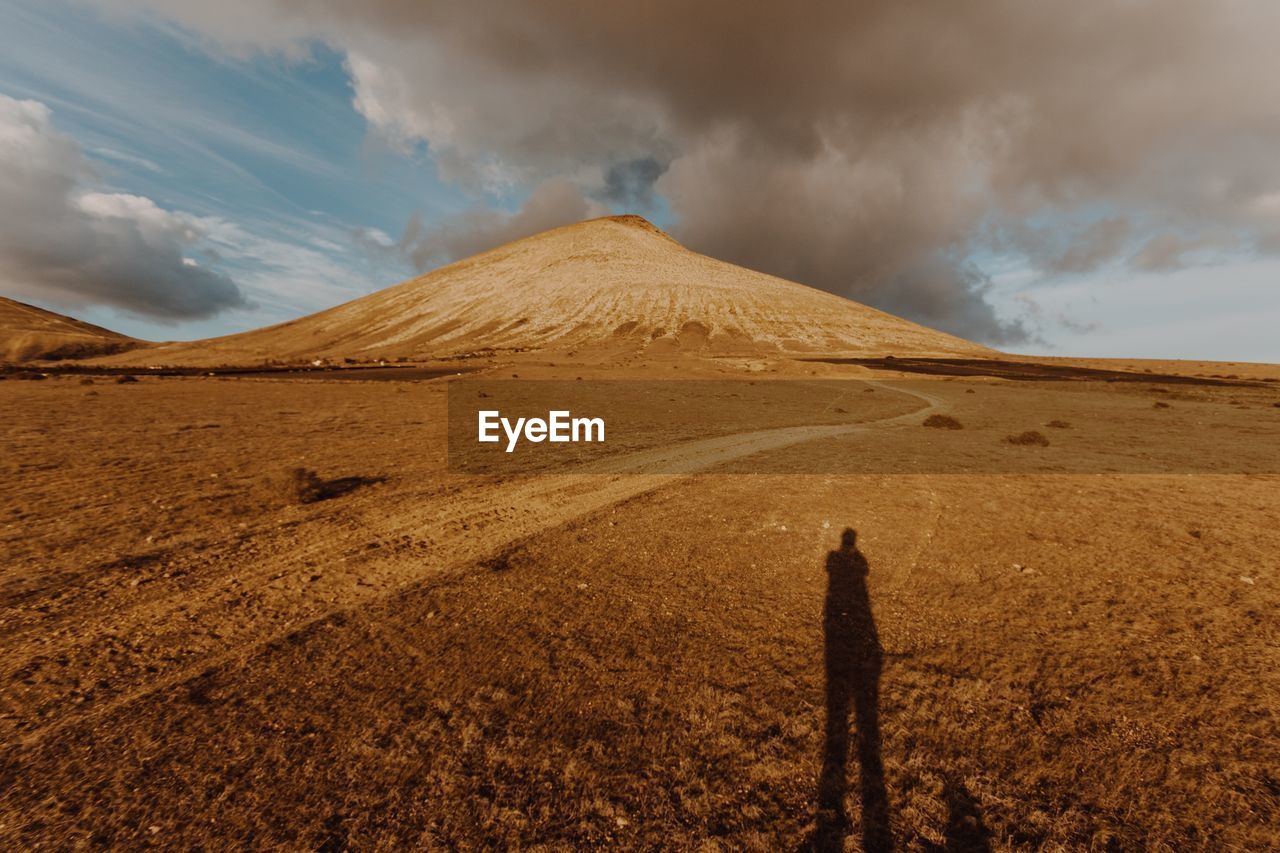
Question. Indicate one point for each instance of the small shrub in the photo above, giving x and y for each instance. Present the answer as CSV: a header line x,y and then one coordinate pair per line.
x,y
942,422
303,486
1030,438
1058,425
1160,406
126,379
86,381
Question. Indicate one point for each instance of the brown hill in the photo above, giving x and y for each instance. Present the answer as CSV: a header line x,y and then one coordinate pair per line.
x,y
28,333
606,286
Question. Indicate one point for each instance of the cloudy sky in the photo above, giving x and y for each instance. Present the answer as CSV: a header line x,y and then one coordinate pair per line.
x,y
1077,179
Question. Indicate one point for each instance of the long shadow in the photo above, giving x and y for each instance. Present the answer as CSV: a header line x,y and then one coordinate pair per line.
x,y
854,659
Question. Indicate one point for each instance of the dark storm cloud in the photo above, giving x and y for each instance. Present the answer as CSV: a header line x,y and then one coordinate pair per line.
x,y
630,185
844,144
552,204
946,293
1068,247
63,245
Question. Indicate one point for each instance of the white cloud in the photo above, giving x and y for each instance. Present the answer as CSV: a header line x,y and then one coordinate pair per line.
x,y
63,242
128,159
66,242
156,225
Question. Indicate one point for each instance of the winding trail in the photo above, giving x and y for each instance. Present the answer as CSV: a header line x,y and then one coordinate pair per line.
x,y
229,620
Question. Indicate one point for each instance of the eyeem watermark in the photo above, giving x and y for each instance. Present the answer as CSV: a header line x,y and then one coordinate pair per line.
x,y
558,427
850,426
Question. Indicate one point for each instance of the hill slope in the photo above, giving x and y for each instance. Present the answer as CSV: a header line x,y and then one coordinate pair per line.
x,y
609,285
28,333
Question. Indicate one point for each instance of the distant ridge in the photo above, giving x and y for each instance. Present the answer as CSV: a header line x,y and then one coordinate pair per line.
x,y
616,285
28,333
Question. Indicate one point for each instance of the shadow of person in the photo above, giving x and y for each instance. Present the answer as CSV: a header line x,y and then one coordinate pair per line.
x,y
853,662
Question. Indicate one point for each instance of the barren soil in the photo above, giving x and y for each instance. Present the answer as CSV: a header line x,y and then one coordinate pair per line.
x,y
192,659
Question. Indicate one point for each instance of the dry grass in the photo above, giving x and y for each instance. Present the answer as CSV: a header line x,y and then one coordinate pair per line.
x,y
627,685
942,422
1058,425
1030,438
1064,669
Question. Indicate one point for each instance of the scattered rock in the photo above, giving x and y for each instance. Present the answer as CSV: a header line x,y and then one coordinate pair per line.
x,y
942,422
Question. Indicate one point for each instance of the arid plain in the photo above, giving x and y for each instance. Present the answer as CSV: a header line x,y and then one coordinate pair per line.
x,y
1068,642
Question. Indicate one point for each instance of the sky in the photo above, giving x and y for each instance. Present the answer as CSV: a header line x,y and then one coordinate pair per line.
x,y
1026,174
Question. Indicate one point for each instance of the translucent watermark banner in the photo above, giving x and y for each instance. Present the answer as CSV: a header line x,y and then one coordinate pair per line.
x,y
943,426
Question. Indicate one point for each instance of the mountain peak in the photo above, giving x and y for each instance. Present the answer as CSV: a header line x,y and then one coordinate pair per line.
x,y
631,221
634,220
609,287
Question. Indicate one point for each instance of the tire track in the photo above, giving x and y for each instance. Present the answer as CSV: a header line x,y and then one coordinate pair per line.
x,y
468,531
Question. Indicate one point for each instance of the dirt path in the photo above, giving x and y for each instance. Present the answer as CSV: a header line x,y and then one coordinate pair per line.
x,y
296,578
631,660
